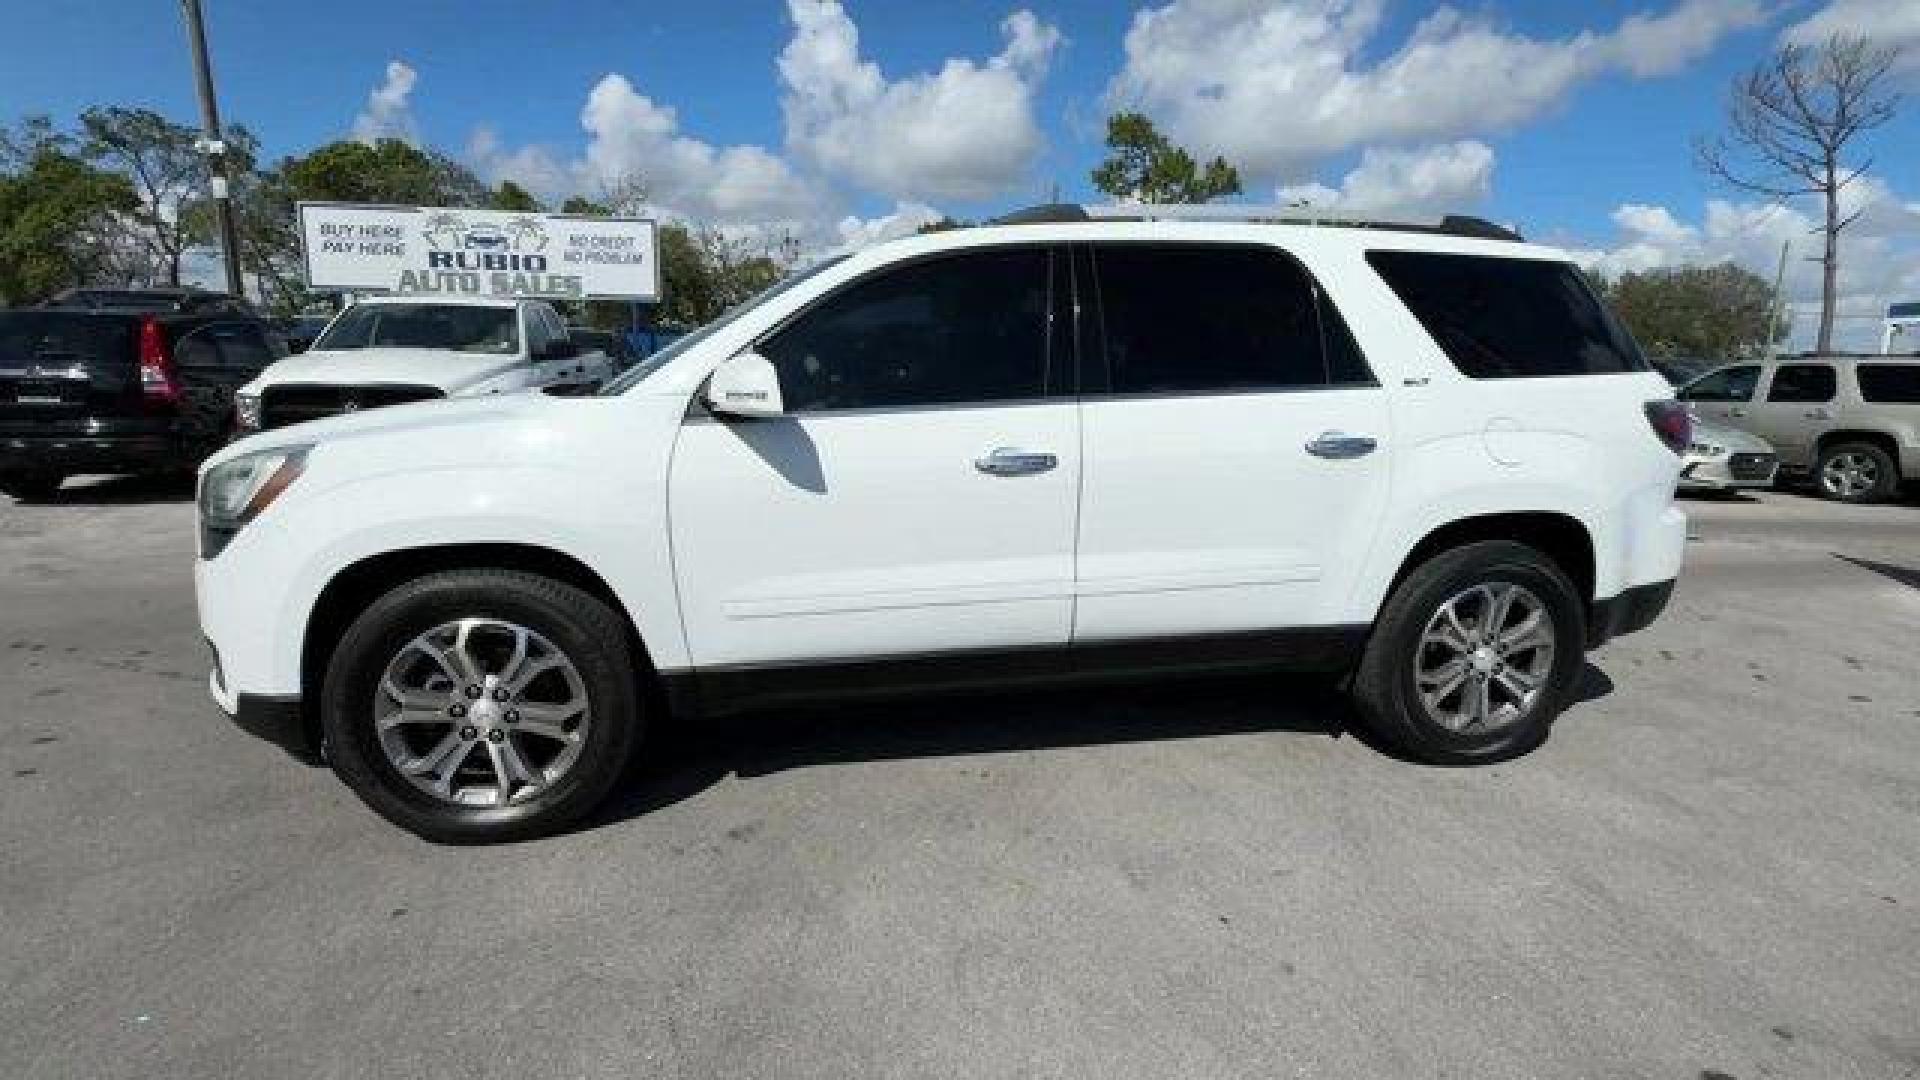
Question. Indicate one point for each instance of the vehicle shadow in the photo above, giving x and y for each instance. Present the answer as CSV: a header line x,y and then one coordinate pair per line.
x,y
122,490
1710,495
689,757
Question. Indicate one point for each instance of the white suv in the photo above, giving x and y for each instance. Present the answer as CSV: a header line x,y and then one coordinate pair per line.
x,y
391,350
1063,448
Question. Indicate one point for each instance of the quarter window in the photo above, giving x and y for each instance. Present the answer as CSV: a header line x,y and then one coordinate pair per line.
x,y
1727,384
964,328
1897,384
1500,318
1208,318
1803,383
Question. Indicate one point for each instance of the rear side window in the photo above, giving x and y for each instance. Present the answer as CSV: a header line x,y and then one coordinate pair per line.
x,y
1803,382
1894,384
1509,318
959,329
1207,318
1727,384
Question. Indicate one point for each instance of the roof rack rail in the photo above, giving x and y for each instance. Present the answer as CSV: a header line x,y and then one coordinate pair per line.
x,y
1450,225
1043,214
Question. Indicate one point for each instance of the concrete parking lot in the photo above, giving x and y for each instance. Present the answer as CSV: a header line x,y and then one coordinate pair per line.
x,y
1712,869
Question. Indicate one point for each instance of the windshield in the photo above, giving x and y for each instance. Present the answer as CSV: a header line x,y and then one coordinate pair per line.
x,y
452,327
640,372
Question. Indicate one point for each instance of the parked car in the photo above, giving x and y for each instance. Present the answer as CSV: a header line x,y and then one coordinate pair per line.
x,y
390,350
1850,422
1727,459
302,330
1429,459
615,346
122,381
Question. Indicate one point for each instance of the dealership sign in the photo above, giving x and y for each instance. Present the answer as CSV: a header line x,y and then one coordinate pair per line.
x,y
352,247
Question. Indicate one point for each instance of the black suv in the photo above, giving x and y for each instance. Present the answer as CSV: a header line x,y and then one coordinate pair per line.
x,y
122,381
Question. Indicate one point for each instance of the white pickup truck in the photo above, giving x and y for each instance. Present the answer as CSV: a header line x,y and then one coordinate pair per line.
x,y
393,349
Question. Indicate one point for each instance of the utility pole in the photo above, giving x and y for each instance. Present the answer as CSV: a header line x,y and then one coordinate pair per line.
x,y
213,146
1773,308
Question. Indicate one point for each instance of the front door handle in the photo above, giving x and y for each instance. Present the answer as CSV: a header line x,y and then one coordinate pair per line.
x,y
1338,445
1008,461
1819,414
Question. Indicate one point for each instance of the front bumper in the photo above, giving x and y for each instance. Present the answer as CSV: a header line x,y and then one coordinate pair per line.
x,y
1631,610
1729,472
281,720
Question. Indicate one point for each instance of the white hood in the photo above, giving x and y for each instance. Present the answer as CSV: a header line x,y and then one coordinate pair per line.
x,y
452,372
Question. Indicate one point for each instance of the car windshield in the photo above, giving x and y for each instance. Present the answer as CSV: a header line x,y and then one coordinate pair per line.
x,y
640,372
450,327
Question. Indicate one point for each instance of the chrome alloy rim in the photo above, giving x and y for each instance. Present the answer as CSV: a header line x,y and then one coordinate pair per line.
x,y
1484,658
481,683
1849,475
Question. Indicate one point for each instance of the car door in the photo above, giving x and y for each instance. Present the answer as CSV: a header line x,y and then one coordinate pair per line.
x,y
1796,406
1235,447
1724,396
213,360
918,495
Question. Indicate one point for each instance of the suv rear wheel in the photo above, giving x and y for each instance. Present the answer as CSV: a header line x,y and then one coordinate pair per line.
x,y
481,705
1856,472
1473,655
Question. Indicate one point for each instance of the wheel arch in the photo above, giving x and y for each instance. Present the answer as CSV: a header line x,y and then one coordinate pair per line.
x,y
1560,537
1881,439
348,592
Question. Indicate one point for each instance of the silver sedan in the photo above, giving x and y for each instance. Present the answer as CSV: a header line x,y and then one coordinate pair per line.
x,y
1724,459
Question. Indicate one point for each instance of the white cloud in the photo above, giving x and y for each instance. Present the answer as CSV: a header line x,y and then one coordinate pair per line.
x,y
1887,22
966,131
906,219
630,135
1417,183
533,167
389,114
1879,254
1277,87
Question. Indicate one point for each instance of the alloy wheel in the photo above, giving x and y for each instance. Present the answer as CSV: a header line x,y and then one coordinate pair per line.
x,y
1849,475
479,683
1485,658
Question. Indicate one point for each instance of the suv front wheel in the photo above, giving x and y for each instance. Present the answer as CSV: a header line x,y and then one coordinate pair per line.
x,y
482,705
1856,472
1473,656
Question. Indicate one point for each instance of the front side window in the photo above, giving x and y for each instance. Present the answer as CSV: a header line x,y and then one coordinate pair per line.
x,y
971,327
1212,318
1897,384
448,327
1803,383
1499,318
1727,384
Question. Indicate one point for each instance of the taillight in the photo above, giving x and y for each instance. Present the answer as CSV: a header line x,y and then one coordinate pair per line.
x,y
157,382
1672,423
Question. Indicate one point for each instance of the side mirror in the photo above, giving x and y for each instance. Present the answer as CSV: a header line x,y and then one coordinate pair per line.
x,y
745,386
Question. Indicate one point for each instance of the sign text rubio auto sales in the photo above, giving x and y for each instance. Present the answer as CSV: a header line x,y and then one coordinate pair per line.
x,y
443,251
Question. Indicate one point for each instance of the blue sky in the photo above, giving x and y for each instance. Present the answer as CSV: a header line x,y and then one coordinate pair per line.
x,y
1570,120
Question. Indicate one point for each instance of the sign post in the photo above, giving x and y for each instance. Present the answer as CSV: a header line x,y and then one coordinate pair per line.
x,y
441,251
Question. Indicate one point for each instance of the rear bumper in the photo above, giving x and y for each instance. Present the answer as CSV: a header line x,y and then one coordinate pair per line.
x,y
1631,610
92,453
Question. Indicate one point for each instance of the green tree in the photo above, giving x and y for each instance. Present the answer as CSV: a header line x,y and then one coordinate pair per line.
x,y
1710,312
387,171
157,156
513,197
59,217
1143,166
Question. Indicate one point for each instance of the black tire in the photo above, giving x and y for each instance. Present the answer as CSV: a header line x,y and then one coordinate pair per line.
x,y
590,634
1884,483
1384,686
31,487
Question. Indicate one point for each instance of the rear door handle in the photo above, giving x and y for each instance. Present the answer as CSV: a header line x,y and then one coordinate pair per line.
x,y
1338,445
1009,461
1819,414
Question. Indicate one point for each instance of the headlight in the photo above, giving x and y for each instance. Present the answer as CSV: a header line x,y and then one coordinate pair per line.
x,y
246,412
233,493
